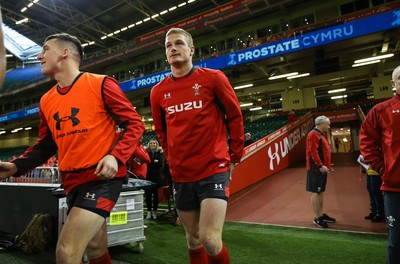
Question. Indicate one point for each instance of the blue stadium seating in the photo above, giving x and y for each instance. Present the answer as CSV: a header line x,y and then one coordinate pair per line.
x,y
20,77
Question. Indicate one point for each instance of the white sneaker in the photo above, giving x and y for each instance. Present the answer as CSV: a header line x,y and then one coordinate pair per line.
x,y
154,215
148,217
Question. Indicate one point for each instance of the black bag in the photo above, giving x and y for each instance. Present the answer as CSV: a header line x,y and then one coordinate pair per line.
x,y
37,235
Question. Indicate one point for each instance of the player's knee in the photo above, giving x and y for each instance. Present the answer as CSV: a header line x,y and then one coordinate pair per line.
x,y
193,241
96,248
64,254
212,243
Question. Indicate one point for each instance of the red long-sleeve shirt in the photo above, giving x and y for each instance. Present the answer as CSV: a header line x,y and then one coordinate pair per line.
x,y
138,162
380,142
190,116
318,152
115,108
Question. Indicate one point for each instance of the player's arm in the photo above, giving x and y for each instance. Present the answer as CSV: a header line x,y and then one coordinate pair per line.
x,y
126,117
122,110
159,121
370,142
226,95
313,144
39,152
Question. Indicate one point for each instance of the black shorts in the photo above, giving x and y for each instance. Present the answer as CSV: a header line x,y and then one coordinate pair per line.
x,y
98,197
316,181
189,195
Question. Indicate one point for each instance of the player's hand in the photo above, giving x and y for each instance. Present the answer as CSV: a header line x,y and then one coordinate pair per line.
x,y
231,167
107,167
7,169
324,169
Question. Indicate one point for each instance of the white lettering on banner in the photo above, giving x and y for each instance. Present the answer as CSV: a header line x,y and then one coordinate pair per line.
x,y
152,80
3,118
333,117
294,44
283,147
274,135
201,64
261,142
334,34
273,156
288,143
32,111
269,50
255,146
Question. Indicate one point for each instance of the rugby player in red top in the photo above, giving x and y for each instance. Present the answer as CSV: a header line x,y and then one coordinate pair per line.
x,y
79,117
192,109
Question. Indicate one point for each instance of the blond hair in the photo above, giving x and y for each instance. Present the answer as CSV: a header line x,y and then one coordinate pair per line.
x,y
183,32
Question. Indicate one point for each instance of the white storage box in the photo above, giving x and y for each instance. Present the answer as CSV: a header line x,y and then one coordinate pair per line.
x,y
125,224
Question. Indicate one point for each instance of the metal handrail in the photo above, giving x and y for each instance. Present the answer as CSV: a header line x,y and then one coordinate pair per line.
x,y
49,175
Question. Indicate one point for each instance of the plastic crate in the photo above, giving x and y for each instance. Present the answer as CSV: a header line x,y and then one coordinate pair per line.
x,y
125,224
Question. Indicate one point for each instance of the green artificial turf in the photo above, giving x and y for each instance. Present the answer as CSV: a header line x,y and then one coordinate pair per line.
x,y
247,243
252,243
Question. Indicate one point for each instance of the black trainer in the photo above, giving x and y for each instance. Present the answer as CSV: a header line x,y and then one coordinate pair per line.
x,y
378,218
328,219
370,216
320,222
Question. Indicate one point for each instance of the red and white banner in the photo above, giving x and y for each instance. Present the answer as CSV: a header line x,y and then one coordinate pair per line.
x,y
341,115
272,154
234,8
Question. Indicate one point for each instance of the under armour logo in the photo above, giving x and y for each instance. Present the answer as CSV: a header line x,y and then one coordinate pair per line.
x,y
396,111
90,195
218,186
274,156
391,220
196,88
75,121
167,96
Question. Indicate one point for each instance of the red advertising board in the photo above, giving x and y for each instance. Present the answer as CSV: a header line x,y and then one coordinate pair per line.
x,y
342,115
272,154
234,8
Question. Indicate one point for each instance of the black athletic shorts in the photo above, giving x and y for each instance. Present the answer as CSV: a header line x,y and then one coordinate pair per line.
x,y
98,197
189,195
316,181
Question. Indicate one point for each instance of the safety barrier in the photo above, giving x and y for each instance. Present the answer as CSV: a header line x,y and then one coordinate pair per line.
x,y
38,175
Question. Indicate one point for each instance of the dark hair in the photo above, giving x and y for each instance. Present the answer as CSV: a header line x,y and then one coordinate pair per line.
x,y
68,39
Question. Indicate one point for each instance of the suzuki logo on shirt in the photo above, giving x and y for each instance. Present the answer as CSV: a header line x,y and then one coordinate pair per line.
x,y
187,106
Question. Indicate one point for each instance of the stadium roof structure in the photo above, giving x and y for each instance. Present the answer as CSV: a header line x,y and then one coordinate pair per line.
x,y
111,30
102,26
20,46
